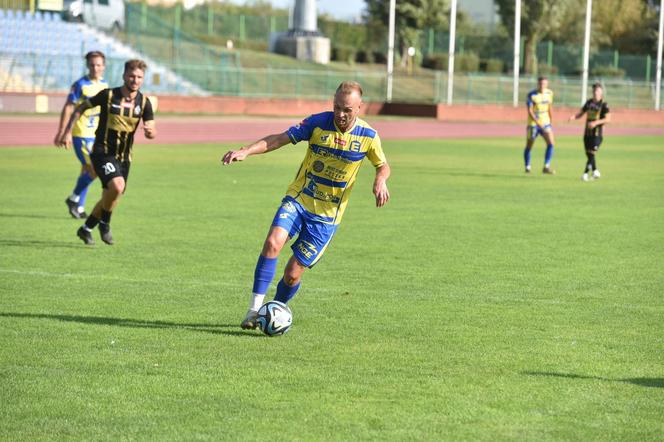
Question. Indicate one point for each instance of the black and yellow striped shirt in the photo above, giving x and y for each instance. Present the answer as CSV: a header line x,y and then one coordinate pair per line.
x,y
118,121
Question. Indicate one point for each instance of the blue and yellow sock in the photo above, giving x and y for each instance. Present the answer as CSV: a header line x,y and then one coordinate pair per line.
x,y
81,188
526,157
549,155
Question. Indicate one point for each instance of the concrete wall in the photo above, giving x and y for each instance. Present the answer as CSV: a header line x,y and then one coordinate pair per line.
x,y
52,103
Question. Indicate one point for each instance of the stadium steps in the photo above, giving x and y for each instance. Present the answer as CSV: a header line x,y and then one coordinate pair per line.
x,y
41,52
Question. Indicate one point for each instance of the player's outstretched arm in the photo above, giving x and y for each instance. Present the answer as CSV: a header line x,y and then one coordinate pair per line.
x,y
66,112
380,190
577,115
264,145
65,138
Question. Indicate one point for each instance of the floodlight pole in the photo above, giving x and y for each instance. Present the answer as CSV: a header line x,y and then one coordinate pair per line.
x,y
586,52
390,51
450,58
658,80
517,51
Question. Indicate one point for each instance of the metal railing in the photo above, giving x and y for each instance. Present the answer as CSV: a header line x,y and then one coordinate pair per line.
x,y
31,73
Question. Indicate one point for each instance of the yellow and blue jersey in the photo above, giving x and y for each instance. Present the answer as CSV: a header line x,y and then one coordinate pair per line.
x,y
327,174
81,90
541,103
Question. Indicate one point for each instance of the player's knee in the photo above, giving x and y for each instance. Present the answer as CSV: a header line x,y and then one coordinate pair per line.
x,y
116,187
291,278
272,246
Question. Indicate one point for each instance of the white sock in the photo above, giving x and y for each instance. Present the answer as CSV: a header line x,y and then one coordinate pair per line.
x,y
256,301
73,197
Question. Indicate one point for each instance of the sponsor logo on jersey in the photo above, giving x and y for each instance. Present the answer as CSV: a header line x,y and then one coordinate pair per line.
x,y
339,141
318,166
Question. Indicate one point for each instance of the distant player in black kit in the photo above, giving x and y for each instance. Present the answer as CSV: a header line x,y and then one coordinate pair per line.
x,y
597,111
122,109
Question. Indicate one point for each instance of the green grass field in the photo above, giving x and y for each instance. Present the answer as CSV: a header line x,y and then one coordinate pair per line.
x,y
480,304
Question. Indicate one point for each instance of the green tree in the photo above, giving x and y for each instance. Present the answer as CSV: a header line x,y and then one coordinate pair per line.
x,y
538,19
411,16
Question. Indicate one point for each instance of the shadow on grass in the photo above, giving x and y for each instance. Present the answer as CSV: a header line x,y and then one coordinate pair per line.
x,y
29,216
507,175
75,243
644,382
137,323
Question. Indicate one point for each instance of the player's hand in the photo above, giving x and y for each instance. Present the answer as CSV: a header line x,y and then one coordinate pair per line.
x,y
592,124
572,118
234,155
149,129
65,141
150,132
56,140
381,193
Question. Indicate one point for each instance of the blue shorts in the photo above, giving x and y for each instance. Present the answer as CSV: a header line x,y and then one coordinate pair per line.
x,y
314,235
82,149
534,131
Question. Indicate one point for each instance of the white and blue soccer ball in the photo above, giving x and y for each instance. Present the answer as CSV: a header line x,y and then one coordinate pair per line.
x,y
274,318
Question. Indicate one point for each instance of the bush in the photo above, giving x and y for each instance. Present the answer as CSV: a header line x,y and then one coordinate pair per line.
x,y
492,65
344,54
607,71
467,62
545,69
435,61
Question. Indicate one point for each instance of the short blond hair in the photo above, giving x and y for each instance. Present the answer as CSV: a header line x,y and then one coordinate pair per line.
x,y
348,87
130,65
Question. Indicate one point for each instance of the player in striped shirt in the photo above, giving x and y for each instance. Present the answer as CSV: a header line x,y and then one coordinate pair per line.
x,y
315,201
84,130
540,120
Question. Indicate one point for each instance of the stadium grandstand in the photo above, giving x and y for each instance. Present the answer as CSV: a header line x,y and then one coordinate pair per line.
x,y
48,56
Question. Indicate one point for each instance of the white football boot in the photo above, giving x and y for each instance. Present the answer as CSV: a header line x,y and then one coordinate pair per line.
x,y
250,320
596,174
585,177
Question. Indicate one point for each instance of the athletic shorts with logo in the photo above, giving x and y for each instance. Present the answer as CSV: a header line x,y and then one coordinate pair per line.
x,y
314,235
108,167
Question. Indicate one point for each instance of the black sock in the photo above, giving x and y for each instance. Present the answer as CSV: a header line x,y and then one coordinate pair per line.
x,y
588,163
91,222
593,163
106,216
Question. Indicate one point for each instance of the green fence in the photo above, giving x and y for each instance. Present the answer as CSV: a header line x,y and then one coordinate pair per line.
x,y
554,58
38,73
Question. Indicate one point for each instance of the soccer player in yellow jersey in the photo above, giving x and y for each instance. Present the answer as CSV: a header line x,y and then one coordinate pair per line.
x,y
540,119
84,130
315,201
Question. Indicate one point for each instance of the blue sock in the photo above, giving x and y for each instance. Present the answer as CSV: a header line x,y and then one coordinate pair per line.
x,y
526,156
264,274
81,188
285,292
81,197
548,155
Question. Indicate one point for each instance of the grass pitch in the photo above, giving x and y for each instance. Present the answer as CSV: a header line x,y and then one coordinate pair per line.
x,y
480,304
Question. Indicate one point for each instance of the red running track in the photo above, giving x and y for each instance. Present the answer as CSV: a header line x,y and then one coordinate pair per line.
x,y
40,130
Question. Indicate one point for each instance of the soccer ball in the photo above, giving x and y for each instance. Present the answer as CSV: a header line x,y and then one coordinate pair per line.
x,y
274,318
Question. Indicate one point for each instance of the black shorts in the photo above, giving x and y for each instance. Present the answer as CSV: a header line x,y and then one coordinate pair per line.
x,y
108,167
591,142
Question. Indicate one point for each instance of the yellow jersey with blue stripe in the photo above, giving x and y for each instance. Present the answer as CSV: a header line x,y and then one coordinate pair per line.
x,y
327,174
81,90
541,103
